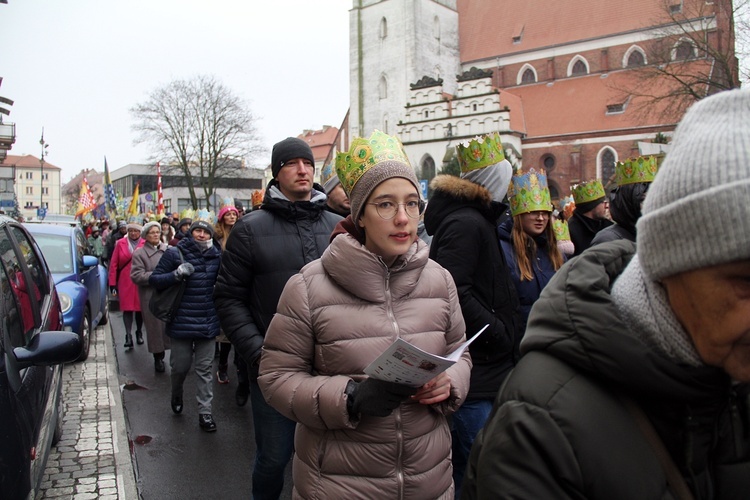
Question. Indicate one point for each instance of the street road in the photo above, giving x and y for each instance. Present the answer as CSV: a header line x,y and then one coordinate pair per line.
x,y
173,457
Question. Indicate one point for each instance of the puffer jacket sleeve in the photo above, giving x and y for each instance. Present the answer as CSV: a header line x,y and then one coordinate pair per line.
x,y
460,243
460,373
516,429
286,364
232,293
163,275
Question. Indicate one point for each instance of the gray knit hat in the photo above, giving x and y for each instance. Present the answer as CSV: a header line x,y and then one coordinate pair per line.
x,y
375,175
697,211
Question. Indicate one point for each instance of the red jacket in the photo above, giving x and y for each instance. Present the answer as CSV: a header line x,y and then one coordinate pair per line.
x,y
119,275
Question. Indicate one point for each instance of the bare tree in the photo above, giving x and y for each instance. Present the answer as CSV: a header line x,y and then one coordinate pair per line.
x,y
690,55
742,32
202,130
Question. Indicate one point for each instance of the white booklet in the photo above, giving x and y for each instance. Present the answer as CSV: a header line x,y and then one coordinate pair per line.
x,y
407,364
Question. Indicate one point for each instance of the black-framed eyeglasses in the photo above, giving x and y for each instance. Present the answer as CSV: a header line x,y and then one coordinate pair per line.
x,y
388,209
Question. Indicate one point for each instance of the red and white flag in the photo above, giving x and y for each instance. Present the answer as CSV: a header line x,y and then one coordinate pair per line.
x,y
86,201
159,195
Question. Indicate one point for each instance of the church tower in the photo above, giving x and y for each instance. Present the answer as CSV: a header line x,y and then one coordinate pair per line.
x,y
392,44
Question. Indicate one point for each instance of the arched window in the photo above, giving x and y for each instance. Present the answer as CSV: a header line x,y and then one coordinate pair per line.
x,y
683,51
436,28
428,167
426,113
383,87
579,68
607,160
383,28
636,59
527,74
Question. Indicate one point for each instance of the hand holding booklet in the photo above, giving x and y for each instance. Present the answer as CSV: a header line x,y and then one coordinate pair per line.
x,y
407,364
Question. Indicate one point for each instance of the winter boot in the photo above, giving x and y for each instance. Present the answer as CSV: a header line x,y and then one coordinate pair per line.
x,y
128,341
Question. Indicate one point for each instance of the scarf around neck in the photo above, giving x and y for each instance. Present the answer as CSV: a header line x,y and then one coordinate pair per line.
x,y
644,307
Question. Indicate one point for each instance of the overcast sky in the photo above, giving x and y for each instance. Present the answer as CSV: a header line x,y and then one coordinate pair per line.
x,y
76,67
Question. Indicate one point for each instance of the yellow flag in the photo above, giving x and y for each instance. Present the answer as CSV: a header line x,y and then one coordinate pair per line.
x,y
133,208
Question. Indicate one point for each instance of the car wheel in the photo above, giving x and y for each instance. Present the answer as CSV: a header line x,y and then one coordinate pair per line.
x,y
57,435
105,316
85,335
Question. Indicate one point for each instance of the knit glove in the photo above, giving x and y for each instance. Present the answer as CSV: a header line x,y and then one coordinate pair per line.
x,y
184,270
374,397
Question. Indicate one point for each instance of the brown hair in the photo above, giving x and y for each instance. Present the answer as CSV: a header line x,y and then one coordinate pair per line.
x,y
525,248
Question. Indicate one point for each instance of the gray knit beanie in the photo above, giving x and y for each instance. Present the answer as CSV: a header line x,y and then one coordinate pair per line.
x,y
375,175
697,211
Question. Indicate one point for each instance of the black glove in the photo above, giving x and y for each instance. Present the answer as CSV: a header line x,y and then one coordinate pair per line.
x,y
375,397
113,290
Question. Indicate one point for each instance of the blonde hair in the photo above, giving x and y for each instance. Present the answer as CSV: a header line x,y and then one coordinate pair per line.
x,y
525,248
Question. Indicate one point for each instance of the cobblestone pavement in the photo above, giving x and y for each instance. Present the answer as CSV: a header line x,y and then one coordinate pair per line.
x,y
92,460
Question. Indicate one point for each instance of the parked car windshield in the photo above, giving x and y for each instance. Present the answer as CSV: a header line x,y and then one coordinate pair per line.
x,y
56,250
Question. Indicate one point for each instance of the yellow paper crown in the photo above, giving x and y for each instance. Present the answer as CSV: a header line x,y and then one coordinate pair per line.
x,y
365,154
635,170
256,199
587,191
560,227
480,152
188,213
529,192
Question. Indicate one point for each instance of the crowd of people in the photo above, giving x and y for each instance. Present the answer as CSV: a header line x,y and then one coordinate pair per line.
x,y
616,354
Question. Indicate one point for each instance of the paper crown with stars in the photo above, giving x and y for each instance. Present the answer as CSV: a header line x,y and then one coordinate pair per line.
x,y
635,170
480,152
560,227
529,192
587,191
365,154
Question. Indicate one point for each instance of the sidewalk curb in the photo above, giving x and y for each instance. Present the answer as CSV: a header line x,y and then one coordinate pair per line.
x,y
126,484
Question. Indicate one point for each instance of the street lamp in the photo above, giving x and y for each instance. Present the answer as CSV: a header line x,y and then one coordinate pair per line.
x,y
41,175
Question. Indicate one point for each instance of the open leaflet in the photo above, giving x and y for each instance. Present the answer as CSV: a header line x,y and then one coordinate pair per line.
x,y
407,364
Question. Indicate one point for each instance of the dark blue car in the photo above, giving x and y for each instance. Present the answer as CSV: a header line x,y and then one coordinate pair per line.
x,y
31,350
80,279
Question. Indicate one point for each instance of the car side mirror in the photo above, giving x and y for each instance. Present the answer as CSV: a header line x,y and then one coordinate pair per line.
x,y
90,261
49,348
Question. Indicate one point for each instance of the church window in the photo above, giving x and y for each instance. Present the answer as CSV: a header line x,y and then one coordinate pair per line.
x,y
383,87
528,76
426,113
474,107
684,51
383,28
607,165
579,68
636,59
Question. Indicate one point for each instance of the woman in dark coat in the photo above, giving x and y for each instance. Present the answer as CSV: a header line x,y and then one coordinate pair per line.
x,y
196,324
145,260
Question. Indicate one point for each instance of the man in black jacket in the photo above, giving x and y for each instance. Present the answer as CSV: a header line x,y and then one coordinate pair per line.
x,y
267,247
635,369
462,216
590,215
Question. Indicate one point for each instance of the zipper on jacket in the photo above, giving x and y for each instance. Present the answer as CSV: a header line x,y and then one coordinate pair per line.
x,y
389,303
400,457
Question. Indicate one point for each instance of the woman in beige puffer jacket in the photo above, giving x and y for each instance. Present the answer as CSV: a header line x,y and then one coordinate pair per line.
x,y
335,317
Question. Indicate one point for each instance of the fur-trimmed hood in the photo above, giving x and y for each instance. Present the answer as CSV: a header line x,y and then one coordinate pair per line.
x,y
451,193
